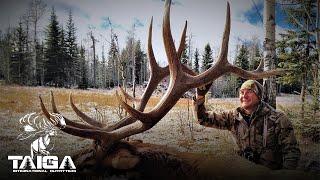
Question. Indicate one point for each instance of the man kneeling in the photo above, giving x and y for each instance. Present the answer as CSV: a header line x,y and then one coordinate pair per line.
x,y
264,135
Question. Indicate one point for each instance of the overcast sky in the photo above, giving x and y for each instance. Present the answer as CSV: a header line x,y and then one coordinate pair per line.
x,y
205,18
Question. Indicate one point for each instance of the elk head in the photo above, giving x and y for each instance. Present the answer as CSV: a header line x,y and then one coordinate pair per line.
x,y
182,79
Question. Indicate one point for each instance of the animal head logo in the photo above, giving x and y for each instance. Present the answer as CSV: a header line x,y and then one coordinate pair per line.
x,y
35,126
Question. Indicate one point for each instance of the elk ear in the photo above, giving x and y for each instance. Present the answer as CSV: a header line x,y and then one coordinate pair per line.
x,y
124,159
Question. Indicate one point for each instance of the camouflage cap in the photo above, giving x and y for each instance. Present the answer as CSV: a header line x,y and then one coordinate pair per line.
x,y
254,85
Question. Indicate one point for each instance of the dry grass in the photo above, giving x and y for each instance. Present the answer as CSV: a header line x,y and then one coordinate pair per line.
x,y
22,99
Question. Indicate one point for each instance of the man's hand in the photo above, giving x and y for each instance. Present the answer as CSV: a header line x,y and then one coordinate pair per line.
x,y
198,101
202,91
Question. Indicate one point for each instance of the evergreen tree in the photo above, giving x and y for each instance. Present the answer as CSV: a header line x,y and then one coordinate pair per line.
x,y
83,67
103,69
27,166
303,57
256,60
19,66
64,71
254,53
40,64
196,61
2,59
207,58
67,165
113,62
140,62
5,55
184,56
72,51
290,59
54,64
242,62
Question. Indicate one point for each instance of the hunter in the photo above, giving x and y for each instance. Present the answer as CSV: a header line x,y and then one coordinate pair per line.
x,y
264,135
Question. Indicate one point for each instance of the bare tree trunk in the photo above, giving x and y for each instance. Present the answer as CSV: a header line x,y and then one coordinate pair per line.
x,y
303,93
133,66
304,71
269,53
94,60
37,10
316,67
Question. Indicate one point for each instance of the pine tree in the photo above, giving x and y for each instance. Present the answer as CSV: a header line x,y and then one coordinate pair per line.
x,y
5,54
196,61
72,51
304,57
254,53
19,67
67,165
27,166
83,84
290,60
207,58
103,69
40,64
113,62
64,71
256,59
140,62
54,65
242,61
184,56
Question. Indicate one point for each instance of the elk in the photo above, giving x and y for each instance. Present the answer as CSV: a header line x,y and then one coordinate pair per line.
x,y
110,150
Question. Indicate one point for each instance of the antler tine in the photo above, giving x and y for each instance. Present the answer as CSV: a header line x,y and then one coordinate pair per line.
x,y
255,74
45,111
127,96
133,112
53,104
156,75
182,40
220,67
174,92
83,116
260,67
68,121
152,60
181,49
74,128
225,41
173,60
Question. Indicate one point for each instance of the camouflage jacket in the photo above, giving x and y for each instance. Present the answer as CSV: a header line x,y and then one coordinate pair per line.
x,y
269,137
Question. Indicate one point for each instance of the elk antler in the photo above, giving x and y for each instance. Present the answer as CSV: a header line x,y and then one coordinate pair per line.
x,y
180,81
128,125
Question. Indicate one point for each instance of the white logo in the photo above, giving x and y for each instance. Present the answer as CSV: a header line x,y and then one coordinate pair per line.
x,y
41,129
42,164
36,127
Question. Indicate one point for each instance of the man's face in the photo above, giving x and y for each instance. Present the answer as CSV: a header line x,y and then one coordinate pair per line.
x,y
248,99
